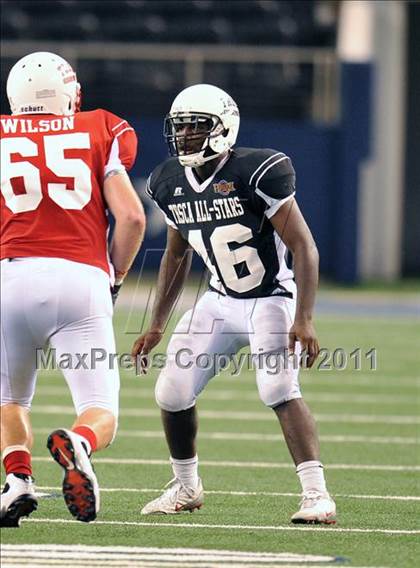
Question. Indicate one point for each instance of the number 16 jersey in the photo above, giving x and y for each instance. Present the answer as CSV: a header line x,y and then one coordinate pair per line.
x,y
52,175
226,218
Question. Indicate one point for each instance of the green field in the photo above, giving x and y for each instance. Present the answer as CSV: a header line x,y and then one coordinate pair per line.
x,y
369,427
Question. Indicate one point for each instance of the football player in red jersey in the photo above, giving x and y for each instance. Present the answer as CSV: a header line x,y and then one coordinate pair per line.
x,y
61,171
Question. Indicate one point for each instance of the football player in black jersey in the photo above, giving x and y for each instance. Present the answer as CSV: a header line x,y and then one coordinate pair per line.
x,y
236,208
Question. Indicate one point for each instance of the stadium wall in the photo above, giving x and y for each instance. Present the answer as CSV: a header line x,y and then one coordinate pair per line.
x,y
411,225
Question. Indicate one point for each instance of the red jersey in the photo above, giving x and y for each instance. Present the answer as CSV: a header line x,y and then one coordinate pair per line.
x,y
52,176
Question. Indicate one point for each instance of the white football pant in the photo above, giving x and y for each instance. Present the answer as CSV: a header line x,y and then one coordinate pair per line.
x,y
215,330
68,305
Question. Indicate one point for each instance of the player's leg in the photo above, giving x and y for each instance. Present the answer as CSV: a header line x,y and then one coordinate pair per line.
x,y
16,429
101,421
301,436
87,335
181,432
18,496
18,375
299,430
278,385
199,339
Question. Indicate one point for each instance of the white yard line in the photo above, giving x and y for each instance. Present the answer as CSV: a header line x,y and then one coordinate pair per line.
x,y
247,493
359,379
244,464
252,396
149,564
154,564
251,437
239,415
176,555
175,524
327,378
124,556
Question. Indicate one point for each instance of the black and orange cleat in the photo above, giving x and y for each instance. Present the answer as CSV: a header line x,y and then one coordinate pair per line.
x,y
80,486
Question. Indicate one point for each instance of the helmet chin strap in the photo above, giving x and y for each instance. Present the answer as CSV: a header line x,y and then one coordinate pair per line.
x,y
196,160
200,158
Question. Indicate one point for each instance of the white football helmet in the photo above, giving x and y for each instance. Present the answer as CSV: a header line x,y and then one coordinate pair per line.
x,y
43,82
201,111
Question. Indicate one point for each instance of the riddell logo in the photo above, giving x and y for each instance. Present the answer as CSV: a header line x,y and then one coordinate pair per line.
x,y
224,187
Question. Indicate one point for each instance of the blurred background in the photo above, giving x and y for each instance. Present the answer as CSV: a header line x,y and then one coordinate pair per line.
x,y
335,85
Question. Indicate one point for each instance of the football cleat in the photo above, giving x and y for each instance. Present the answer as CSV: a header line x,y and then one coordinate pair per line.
x,y
175,499
80,486
17,499
315,508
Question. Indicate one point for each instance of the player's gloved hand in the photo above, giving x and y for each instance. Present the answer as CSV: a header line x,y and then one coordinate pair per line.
x,y
304,332
115,290
142,347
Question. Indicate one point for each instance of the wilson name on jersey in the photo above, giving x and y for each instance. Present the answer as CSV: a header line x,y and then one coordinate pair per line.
x,y
226,218
52,175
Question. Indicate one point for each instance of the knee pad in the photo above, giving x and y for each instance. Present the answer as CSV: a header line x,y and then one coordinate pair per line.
x,y
278,388
172,395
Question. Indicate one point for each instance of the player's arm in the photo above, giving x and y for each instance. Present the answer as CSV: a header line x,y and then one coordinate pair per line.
x,y
291,227
174,269
130,222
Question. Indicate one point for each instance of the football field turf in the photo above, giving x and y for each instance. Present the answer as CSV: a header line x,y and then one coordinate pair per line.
x,y
368,423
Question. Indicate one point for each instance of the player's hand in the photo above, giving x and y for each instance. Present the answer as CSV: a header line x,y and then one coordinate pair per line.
x,y
304,332
142,347
115,290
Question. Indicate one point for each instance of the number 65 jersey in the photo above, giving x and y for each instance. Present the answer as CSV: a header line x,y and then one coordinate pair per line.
x,y
226,218
52,175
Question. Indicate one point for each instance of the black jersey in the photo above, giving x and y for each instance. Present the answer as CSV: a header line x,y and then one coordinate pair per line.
x,y
225,218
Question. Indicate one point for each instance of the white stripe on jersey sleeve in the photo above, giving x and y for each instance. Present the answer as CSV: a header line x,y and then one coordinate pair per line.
x,y
261,165
285,274
273,204
119,124
123,130
147,188
114,162
268,167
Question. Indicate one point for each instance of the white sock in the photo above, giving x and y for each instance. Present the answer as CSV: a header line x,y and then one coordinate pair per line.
x,y
186,471
311,476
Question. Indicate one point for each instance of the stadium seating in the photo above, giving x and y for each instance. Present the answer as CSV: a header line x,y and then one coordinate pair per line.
x,y
283,89
269,22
